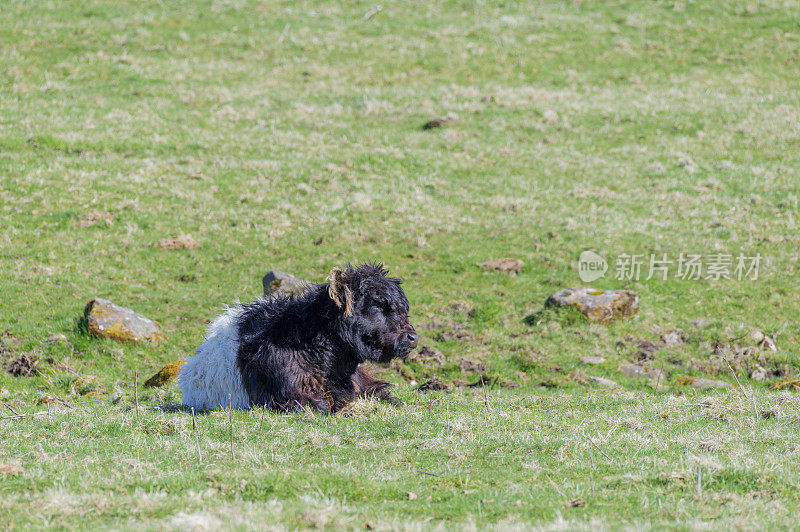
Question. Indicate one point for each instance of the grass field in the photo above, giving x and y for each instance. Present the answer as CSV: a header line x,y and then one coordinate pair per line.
x,y
289,136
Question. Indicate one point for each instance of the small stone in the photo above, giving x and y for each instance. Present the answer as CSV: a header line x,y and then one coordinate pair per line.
x,y
673,339
700,323
281,283
606,383
468,366
755,336
167,374
57,337
768,344
107,320
504,265
178,242
599,306
593,360
411,495
4,393
759,373
702,383
635,371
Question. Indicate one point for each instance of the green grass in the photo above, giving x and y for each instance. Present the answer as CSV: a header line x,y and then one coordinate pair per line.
x,y
289,136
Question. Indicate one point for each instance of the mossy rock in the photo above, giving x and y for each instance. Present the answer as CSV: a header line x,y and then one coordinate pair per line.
x,y
600,306
167,374
107,320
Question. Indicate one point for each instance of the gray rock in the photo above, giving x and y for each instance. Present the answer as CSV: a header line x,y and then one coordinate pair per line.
x,y
107,320
593,360
759,373
755,336
600,306
57,337
635,371
606,383
673,338
278,282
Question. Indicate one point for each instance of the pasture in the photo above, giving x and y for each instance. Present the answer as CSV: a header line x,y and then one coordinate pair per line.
x,y
289,135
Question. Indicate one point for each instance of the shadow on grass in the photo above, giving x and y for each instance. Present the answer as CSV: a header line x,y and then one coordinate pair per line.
x,y
568,316
82,326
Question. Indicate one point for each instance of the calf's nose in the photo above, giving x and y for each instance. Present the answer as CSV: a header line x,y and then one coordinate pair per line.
x,y
412,339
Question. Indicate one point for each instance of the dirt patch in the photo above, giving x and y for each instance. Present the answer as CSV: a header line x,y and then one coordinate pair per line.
x,y
580,377
24,366
94,216
427,354
438,122
11,469
470,365
433,385
178,242
674,338
645,350
456,334
504,265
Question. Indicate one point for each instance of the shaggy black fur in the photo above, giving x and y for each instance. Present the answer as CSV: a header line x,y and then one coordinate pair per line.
x,y
305,351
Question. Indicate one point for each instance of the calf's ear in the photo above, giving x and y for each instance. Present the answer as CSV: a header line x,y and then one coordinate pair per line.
x,y
339,290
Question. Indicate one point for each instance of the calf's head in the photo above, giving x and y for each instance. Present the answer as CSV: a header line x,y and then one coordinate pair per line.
x,y
375,312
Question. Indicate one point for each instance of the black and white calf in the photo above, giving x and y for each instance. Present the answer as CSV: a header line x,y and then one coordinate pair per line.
x,y
290,352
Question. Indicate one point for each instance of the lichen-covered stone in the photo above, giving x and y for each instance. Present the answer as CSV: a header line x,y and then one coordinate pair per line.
x,y
167,374
600,306
277,282
107,320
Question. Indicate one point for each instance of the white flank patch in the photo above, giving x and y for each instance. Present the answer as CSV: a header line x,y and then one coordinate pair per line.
x,y
209,377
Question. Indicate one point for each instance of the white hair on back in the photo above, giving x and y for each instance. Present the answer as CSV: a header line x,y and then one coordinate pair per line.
x,y
208,378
